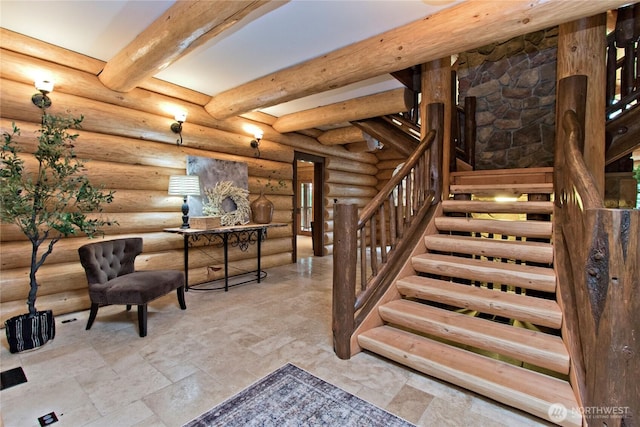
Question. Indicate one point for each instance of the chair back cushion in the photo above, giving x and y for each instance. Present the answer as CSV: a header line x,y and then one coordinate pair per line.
x,y
103,261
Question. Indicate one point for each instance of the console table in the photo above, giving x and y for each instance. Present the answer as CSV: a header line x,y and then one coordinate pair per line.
x,y
240,236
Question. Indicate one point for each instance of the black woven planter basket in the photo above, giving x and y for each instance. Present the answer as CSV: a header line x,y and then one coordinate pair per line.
x,y
25,332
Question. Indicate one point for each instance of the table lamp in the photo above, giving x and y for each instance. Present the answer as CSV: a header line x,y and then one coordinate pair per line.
x,y
184,185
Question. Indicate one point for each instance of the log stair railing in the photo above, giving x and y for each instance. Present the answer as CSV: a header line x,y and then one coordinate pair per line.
x,y
476,304
597,259
623,85
370,245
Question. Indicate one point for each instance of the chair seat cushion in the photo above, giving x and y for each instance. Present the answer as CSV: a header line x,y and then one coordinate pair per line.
x,y
136,288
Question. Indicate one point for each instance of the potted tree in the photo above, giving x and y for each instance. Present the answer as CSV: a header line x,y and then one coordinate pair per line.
x,y
46,203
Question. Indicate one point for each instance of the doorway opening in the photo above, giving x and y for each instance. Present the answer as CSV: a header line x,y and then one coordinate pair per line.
x,y
308,223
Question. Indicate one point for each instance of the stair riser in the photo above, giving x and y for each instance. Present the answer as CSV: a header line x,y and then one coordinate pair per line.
x,y
484,305
536,356
485,274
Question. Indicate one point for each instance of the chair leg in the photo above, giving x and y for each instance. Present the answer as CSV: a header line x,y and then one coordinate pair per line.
x,y
180,291
142,319
92,315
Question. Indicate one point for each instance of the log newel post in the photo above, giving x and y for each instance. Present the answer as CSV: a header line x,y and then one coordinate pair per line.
x,y
344,277
435,114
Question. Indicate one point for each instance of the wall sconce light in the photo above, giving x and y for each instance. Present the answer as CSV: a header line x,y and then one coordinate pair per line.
x,y
255,143
176,127
40,99
184,185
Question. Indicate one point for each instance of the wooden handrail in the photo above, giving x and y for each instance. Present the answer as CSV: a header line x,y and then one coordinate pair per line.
x,y
363,297
382,196
625,36
596,258
582,179
372,245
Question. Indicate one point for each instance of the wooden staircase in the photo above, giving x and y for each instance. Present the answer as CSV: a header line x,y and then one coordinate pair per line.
x,y
478,308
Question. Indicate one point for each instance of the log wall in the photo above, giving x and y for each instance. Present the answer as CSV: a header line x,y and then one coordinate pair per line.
x,y
128,147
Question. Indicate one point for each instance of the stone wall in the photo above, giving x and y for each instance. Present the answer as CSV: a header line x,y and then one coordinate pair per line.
x,y
515,85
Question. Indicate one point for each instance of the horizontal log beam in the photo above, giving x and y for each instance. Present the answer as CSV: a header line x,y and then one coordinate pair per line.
x,y
463,27
178,31
388,135
17,67
341,177
343,135
359,147
350,166
18,254
379,104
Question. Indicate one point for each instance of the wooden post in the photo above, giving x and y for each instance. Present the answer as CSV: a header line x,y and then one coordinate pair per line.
x,y
436,162
436,83
344,277
612,362
582,50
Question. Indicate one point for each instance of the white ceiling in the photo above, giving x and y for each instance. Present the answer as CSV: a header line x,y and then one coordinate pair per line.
x,y
275,36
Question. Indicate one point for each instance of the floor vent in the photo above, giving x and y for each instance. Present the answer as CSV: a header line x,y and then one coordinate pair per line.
x,y
48,419
12,377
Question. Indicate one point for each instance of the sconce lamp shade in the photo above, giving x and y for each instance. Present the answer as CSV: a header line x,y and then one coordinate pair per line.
x,y
44,86
184,185
180,116
40,99
176,127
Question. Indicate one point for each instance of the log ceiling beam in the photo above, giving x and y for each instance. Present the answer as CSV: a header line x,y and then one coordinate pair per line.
x,y
379,104
410,77
343,135
466,26
359,147
389,135
183,27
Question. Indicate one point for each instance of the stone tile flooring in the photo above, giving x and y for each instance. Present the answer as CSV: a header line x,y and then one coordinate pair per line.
x,y
192,360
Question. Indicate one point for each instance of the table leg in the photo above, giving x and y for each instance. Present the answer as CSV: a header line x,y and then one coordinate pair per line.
x,y
259,251
186,262
225,241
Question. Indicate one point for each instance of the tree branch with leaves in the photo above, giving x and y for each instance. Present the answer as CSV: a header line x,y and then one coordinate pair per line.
x,y
53,201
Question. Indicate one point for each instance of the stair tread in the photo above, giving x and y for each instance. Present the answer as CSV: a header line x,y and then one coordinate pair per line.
x,y
527,276
502,189
511,249
529,391
480,206
529,228
530,346
538,311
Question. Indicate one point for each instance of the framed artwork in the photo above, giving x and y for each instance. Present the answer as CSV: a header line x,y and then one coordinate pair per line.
x,y
211,171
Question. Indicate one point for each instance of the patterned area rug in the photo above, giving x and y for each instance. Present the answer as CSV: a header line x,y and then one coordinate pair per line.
x,y
293,397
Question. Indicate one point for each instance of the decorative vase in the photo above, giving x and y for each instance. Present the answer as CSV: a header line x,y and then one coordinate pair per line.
x,y
26,332
261,210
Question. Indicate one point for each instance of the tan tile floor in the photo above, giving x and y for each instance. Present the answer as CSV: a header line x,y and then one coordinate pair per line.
x,y
192,360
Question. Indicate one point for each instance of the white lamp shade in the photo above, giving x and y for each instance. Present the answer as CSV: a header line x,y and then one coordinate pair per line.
x,y
44,85
180,116
184,185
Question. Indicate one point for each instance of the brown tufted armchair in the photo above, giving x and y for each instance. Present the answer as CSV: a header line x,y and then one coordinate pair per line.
x,y
112,278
